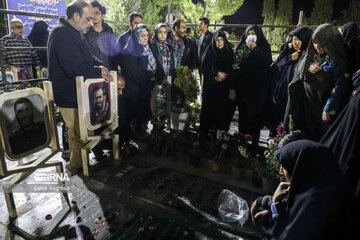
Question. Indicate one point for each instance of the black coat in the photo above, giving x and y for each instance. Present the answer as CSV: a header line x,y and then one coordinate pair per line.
x,y
102,44
351,34
39,37
252,83
202,46
282,72
320,205
69,56
343,138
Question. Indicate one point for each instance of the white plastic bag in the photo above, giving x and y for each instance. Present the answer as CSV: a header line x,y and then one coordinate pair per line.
x,y
232,208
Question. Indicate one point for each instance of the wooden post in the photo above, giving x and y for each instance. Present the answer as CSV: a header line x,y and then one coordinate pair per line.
x,y
301,16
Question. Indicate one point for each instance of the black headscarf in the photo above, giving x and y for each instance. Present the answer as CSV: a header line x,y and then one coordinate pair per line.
x,y
218,55
320,205
38,37
351,34
350,31
343,138
304,34
331,40
39,34
261,43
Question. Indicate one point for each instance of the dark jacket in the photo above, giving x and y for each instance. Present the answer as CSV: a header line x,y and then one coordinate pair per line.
x,y
189,58
123,39
102,44
204,42
320,205
69,56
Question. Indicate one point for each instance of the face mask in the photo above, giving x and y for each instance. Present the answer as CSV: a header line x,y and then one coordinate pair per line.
x,y
252,38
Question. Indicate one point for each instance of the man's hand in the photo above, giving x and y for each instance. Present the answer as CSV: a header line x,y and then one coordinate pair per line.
x,y
232,94
314,68
105,74
325,116
281,191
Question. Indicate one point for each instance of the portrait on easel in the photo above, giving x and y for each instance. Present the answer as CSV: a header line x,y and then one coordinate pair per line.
x,y
25,128
100,104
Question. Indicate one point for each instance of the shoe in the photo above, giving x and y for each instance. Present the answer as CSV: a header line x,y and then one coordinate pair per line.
x,y
100,158
66,155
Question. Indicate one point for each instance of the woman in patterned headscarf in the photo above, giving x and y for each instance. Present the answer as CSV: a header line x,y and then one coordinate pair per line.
x,y
250,81
138,68
165,61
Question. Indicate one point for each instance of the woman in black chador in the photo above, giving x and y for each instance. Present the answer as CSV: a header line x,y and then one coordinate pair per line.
x,y
319,203
343,138
351,34
217,109
282,72
138,67
321,86
39,37
250,81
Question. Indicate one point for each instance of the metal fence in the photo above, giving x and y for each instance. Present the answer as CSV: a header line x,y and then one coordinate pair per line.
x,y
6,84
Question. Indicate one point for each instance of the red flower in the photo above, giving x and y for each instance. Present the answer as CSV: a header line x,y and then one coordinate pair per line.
x,y
279,129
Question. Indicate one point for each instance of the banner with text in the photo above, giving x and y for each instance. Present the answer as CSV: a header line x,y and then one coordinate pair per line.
x,y
55,7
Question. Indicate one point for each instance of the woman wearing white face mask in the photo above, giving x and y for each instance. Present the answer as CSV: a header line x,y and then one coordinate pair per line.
x,y
138,67
250,82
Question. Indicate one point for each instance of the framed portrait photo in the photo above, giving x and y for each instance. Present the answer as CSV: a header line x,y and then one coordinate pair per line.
x,y
97,105
24,122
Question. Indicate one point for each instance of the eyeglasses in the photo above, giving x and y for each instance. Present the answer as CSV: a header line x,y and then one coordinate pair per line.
x,y
18,27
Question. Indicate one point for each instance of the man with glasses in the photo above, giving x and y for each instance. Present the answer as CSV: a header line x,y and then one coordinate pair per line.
x,y
101,37
22,61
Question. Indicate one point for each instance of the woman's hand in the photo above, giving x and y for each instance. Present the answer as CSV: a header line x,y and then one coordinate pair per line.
x,y
314,68
221,76
295,56
281,191
251,44
325,116
232,94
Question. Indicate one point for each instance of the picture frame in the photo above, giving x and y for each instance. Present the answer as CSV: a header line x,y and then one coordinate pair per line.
x,y
98,103
24,122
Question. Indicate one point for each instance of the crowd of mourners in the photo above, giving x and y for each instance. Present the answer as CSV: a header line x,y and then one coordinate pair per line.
x,y
313,83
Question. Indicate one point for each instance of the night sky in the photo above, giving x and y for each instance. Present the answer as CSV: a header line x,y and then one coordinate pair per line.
x,y
251,10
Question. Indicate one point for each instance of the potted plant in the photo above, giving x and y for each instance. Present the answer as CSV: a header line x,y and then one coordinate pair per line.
x,y
238,166
181,110
270,168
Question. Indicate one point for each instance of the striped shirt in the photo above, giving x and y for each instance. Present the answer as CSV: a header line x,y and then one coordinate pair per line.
x,y
18,58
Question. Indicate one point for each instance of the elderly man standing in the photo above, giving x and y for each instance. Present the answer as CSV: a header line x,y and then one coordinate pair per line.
x,y
69,57
22,60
